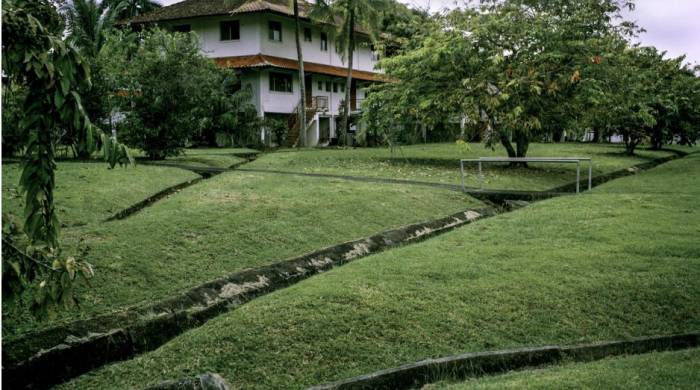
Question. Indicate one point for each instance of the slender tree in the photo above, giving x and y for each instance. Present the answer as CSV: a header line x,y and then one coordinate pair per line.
x,y
53,73
364,15
88,23
302,79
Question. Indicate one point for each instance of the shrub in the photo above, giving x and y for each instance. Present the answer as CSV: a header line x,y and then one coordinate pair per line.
x,y
169,88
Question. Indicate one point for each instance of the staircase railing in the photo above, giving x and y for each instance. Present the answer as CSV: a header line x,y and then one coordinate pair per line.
x,y
293,135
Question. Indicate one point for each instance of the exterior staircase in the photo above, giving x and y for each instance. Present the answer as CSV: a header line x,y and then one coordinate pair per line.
x,y
293,134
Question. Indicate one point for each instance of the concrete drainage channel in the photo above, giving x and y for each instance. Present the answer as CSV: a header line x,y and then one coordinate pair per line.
x,y
468,365
494,197
472,365
44,358
204,172
54,355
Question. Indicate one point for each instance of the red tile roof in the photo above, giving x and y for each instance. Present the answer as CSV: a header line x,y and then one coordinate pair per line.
x,y
199,8
260,60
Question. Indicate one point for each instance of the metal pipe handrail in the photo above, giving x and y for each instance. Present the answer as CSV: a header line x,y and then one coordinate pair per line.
x,y
525,159
576,160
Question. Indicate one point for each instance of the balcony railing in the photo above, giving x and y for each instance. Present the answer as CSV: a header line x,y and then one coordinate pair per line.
x,y
319,103
355,104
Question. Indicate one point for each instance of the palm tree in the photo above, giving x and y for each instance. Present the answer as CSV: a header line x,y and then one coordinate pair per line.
x,y
87,23
364,15
302,77
131,8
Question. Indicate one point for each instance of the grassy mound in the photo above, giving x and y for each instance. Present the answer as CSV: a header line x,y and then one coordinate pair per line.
x,y
231,222
664,370
210,157
90,192
621,261
440,163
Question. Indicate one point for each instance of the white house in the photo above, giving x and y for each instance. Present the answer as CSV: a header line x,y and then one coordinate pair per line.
x,y
257,38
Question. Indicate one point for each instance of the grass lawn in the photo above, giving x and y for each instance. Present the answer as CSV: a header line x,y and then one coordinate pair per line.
x,y
233,221
661,370
204,157
90,192
620,261
440,163
210,157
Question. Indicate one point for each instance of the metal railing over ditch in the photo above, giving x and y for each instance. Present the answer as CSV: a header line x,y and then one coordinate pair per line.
x,y
570,160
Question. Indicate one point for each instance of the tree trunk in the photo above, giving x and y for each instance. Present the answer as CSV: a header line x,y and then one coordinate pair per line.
x,y
509,147
657,138
558,135
302,78
522,142
348,82
630,143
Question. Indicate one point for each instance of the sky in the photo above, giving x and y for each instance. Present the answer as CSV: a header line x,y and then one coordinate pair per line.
x,y
672,25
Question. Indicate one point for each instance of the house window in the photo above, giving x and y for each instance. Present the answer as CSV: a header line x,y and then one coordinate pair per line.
x,y
230,30
342,87
335,87
275,31
307,35
328,86
280,82
324,41
320,85
182,28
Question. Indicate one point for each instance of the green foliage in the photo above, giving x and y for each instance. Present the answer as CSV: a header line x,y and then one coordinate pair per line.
x,y
88,24
232,114
53,74
13,138
401,28
168,90
130,8
88,21
523,70
364,15
277,128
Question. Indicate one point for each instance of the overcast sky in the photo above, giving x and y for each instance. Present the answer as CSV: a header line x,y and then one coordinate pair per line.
x,y
672,25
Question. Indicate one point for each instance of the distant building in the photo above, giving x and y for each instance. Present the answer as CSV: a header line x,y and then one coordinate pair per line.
x,y
256,37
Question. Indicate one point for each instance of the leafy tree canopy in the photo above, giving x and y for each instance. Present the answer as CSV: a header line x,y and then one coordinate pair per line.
x,y
522,69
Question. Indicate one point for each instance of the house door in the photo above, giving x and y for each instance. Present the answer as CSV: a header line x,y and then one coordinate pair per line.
x,y
308,85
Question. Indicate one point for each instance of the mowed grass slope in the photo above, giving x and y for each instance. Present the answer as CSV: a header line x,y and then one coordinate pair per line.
x,y
210,157
661,370
621,261
440,163
89,192
227,223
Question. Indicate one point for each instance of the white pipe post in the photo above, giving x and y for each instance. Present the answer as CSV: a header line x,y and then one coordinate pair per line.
x,y
461,169
578,175
481,178
590,174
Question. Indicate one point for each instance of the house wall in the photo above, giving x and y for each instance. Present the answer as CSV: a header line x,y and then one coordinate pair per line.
x,y
285,102
252,78
279,102
334,98
362,58
254,39
210,35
